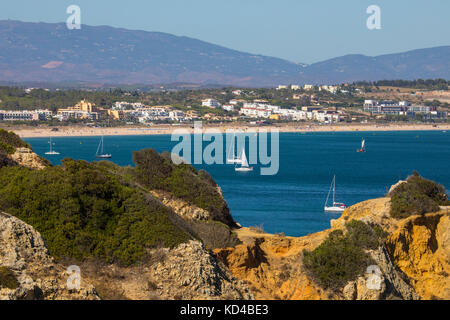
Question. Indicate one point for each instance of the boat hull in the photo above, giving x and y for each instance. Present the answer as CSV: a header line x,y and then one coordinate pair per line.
x,y
334,209
244,169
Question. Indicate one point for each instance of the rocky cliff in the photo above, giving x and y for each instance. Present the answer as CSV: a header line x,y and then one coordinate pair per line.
x,y
189,271
25,157
28,270
414,262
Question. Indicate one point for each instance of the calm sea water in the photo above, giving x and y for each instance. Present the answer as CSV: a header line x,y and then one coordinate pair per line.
x,y
292,201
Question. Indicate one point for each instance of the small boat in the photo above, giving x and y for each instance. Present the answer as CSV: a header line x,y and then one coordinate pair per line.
x,y
336,206
244,163
231,158
101,154
363,146
51,152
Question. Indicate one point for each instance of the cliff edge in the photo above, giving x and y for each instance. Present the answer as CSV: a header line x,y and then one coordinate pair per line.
x,y
414,259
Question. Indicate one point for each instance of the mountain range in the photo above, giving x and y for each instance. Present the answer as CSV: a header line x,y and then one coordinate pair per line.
x,y
49,52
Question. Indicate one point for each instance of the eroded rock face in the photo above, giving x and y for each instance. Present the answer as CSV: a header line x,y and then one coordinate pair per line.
x,y
272,265
182,208
188,272
23,251
420,247
27,158
414,264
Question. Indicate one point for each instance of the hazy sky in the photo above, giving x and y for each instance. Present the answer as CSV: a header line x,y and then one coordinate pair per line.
x,y
296,30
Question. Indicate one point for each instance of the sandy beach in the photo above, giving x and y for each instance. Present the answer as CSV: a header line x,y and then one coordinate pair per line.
x,y
80,131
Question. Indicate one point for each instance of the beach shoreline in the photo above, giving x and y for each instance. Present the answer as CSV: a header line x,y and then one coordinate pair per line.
x,y
85,131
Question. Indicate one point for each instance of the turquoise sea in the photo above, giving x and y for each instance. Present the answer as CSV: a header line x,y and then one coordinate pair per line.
x,y
292,201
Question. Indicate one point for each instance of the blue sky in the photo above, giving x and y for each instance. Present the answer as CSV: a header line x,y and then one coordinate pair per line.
x,y
296,30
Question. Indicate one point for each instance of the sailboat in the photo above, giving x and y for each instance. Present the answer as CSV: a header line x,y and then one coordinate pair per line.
x,y
336,206
363,144
51,151
244,163
231,158
101,154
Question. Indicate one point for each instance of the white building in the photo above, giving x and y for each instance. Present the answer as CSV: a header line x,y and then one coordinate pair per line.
x,y
211,103
34,115
177,115
332,89
295,87
122,105
308,87
281,87
228,107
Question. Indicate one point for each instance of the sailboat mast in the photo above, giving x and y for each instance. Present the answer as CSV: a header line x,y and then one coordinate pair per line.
x,y
334,187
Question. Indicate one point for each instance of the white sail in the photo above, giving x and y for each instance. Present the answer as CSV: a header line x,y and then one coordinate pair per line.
x,y
244,161
231,156
363,142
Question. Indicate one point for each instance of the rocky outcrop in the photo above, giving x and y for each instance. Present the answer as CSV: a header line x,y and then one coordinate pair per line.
x,y
23,252
188,271
182,208
27,158
375,211
272,264
414,263
389,283
420,248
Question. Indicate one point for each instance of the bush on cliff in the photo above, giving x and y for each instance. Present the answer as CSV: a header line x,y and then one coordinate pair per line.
x,y
417,196
156,171
4,159
341,257
83,210
9,141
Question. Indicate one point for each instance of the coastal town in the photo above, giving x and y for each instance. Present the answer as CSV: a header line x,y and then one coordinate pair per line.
x,y
323,105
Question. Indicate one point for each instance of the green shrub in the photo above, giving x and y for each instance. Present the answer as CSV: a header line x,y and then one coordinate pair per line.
x,y
12,139
364,235
84,211
8,278
341,257
7,148
5,160
417,196
156,171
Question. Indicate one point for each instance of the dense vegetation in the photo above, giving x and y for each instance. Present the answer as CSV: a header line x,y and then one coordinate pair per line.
x,y
83,210
104,211
430,84
417,196
158,172
342,257
9,141
15,98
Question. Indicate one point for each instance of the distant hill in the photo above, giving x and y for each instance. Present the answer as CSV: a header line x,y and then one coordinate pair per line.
x,y
49,52
421,63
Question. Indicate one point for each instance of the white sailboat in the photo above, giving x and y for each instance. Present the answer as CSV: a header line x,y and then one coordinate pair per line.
x,y
231,156
363,146
101,154
336,206
51,151
244,163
